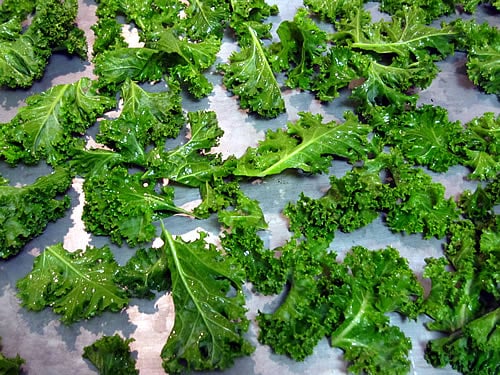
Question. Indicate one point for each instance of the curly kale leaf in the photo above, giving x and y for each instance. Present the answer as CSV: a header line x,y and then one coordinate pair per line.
x,y
307,144
108,35
111,355
481,42
346,302
26,211
263,267
52,28
146,271
10,366
432,9
473,350
76,285
249,75
187,61
245,212
15,9
301,43
49,125
298,324
416,204
253,13
146,118
406,35
398,56
190,163
426,137
481,144
333,10
217,195
125,206
337,69
22,60
379,281
351,202
210,315
204,18
113,67
464,300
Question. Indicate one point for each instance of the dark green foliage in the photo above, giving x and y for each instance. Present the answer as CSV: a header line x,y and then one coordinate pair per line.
x,y
111,356
26,211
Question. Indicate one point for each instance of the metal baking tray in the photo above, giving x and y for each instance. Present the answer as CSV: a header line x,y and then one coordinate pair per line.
x,y
50,347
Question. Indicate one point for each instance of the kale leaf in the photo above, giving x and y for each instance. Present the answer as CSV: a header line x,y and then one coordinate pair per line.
x,y
481,42
52,28
49,125
464,299
111,355
26,211
307,144
124,206
249,75
10,366
210,315
76,285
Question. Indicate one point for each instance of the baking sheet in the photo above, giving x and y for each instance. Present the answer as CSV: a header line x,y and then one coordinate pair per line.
x,y
49,347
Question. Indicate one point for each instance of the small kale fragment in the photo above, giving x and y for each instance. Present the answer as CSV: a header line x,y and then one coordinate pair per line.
x,y
10,366
111,356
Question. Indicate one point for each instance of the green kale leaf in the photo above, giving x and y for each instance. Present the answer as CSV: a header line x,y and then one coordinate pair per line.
x,y
481,144
124,206
16,9
187,61
334,10
52,28
351,202
191,163
146,118
210,315
307,144
76,285
481,42
464,300
205,18
338,68
49,125
379,281
244,13
298,324
431,9
111,356
263,268
113,67
249,75
144,272
416,204
10,366
347,302
26,211
301,43
426,137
